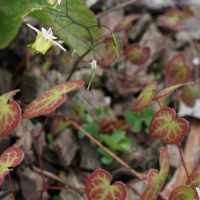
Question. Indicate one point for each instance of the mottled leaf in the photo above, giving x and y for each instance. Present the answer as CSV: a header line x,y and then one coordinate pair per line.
x,y
182,192
189,94
10,113
136,54
144,98
50,99
194,179
170,18
109,52
98,187
11,157
125,23
75,36
156,179
166,127
168,90
176,71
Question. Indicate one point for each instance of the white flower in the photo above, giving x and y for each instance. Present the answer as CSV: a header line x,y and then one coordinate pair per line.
x,y
195,61
94,64
198,191
53,1
44,40
58,1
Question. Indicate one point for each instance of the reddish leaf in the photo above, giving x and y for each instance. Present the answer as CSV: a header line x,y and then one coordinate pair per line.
x,y
50,99
136,54
125,23
11,157
98,187
194,179
59,124
176,71
182,192
10,113
110,54
144,98
168,90
165,127
170,18
189,94
156,179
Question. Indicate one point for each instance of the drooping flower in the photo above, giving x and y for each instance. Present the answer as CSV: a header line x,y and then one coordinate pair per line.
x,y
53,1
93,64
44,40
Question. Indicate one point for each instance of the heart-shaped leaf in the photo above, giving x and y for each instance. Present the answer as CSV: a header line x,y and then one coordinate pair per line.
x,y
136,54
189,94
144,98
109,52
10,114
168,90
98,187
182,192
165,127
194,179
11,157
170,18
176,71
125,23
50,99
156,179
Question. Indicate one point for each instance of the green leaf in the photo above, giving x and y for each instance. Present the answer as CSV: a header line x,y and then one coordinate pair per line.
x,y
106,159
97,111
50,138
131,117
148,114
92,129
137,126
105,109
75,36
82,111
118,135
125,143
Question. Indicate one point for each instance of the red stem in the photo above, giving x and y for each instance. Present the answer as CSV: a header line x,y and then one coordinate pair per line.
x,y
182,159
65,188
35,194
175,100
158,101
27,129
134,182
11,186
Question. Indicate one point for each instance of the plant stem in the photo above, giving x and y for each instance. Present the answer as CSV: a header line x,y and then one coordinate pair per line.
x,y
65,188
53,24
175,100
158,102
40,161
134,182
11,186
64,27
27,129
182,159
67,8
35,194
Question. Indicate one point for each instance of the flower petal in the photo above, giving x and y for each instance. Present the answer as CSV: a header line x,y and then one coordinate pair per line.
x,y
57,44
44,31
58,1
35,29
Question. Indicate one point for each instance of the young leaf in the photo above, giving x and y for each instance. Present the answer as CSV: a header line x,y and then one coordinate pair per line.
x,y
109,52
92,129
189,94
182,192
10,114
136,54
11,157
50,99
98,187
148,114
168,90
170,18
156,179
144,98
176,70
106,158
194,179
125,23
165,127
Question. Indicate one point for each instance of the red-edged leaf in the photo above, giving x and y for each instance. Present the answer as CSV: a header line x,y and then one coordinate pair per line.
x,y
98,187
168,90
182,192
136,54
189,94
194,179
165,127
50,99
11,157
109,54
125,23
156,179
10,113
171,18
45,67
144,98
176,71
59,124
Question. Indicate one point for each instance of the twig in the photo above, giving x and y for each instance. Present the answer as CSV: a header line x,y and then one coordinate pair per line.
x,y
35,194
131,183
65,188
27,129
120,6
